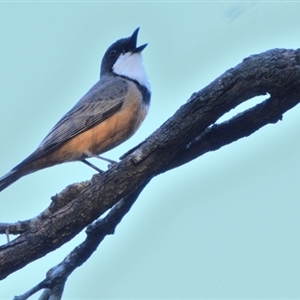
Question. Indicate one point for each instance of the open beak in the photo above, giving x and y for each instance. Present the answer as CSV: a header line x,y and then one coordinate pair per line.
x,y
131,45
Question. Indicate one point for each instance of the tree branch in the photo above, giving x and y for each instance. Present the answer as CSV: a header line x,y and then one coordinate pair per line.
x,y
58,201
57,276
186,135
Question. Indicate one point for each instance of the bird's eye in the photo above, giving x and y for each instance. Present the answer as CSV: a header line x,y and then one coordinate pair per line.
x,y
112,52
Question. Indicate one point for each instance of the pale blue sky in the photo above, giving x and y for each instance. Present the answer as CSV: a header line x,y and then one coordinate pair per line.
x,y
223,226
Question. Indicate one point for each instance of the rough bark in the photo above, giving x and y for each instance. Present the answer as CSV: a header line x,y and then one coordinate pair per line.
x,y
189,133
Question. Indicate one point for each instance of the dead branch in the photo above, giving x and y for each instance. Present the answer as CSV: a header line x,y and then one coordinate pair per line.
x,y
191,132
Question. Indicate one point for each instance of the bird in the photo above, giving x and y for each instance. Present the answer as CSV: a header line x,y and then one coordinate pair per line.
x,y
107,115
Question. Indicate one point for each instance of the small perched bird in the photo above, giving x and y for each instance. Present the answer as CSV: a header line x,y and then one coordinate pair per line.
x,y
107,115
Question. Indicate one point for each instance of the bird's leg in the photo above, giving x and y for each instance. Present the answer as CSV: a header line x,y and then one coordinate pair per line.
x,y
112,162
90,154
92,166
7,234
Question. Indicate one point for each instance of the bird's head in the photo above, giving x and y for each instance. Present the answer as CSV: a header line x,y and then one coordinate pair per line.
x,y
124,58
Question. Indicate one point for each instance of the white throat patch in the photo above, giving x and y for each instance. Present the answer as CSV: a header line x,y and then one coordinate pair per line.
x,y
131,66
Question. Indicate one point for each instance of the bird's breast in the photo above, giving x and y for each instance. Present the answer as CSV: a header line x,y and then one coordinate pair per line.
x,y
121,125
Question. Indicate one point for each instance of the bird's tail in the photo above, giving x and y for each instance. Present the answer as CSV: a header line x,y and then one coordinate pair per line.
x,y
10,178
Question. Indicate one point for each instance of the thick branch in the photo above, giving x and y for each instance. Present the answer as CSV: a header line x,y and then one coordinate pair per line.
x,y
276,72
57,276
244,124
